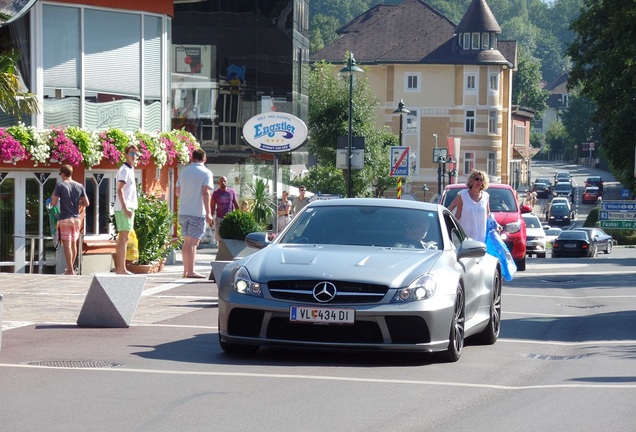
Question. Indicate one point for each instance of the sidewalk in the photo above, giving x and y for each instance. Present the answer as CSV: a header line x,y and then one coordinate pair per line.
x,y
57,299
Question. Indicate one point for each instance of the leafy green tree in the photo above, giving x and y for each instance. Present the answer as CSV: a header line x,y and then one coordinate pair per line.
x,y
13,100
557,141
578,120
603,55
525,84
329,119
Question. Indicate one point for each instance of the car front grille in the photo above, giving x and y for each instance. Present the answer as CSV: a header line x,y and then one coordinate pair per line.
x,y
405,329
347,292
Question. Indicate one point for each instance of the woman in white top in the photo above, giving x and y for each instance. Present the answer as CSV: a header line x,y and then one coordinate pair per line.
x,y
472,206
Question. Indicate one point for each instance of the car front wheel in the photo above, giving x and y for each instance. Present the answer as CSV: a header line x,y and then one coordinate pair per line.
x,y
608,250
490,334
456,335
521,264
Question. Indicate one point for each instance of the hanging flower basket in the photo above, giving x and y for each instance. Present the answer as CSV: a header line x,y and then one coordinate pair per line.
x,y
11,151
63,149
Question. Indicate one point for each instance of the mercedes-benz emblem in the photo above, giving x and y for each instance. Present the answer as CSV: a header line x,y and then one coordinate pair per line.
x,y
324,292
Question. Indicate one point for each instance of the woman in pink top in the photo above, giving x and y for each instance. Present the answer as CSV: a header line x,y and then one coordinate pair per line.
x,y
472,206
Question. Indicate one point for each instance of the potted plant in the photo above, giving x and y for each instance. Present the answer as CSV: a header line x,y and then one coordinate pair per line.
x,y
153,228
263,206
234,227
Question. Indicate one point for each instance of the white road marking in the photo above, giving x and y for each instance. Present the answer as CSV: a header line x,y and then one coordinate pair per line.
x,y
336,378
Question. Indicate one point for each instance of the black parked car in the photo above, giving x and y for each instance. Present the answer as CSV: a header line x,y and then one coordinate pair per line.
x,y
596,181
601,239
542,187
559,214
576,243
564,189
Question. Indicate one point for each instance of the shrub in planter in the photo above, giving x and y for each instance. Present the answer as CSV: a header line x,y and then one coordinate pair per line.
x,y
237,224
153,227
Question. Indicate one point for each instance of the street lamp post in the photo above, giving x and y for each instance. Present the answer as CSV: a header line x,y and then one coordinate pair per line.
x,y
350,69
441,171
401,111
441,168
453,171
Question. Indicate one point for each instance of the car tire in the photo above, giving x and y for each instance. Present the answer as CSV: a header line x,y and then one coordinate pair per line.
x,y
608,250
457,327
541,255
521,264
233,348
490,334
555,255
594,252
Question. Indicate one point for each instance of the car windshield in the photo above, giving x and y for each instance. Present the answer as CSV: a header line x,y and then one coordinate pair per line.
x,y
501,200
562,187
365,225
532,222
542,180
560,209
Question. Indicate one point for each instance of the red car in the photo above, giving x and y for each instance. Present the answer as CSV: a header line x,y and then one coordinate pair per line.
x,y
505,208
591,194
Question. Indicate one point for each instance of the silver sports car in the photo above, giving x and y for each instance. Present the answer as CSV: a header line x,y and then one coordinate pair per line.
x,y
363,273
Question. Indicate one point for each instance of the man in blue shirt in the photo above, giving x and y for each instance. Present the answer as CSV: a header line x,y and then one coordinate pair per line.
x,y
194,189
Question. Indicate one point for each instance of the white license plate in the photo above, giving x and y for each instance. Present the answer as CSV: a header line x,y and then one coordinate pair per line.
x,y
569,245
322,315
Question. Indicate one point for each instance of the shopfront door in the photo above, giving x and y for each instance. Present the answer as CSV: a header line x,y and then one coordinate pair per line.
x,y
24,222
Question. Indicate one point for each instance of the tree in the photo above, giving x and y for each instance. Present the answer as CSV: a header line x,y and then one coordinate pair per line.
x,y
329,119
604,59
13,100
557,140
526,91
578,122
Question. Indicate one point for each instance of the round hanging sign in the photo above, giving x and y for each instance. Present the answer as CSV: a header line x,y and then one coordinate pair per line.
x,y
275,132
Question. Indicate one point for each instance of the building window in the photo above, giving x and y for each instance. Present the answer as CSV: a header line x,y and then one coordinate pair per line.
x,y
519,136
492,122
471,83
81,85
470,122
412,81
485,41
493,82
469,163
475,45
466,44
492,164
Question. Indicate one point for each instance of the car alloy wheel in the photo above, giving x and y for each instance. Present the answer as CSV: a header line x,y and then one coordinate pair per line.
x,y
456,336
491,333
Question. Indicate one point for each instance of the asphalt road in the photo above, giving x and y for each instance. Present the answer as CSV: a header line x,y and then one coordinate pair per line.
x,y
565,361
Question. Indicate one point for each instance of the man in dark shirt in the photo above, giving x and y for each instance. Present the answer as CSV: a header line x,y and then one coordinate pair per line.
x,y
72,198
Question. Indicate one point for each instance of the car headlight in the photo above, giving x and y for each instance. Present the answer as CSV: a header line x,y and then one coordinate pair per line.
x,y
513,227
244,284
420,289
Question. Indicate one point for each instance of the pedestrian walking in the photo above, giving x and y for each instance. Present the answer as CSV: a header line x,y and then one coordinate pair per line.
x,y
125,206
223,201
284,210
300,201
472,206
72,198
194,190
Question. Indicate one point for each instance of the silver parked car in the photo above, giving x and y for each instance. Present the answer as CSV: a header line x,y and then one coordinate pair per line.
x,y
362,273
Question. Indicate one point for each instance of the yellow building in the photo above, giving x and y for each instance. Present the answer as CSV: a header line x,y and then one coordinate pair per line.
x,y
456,81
